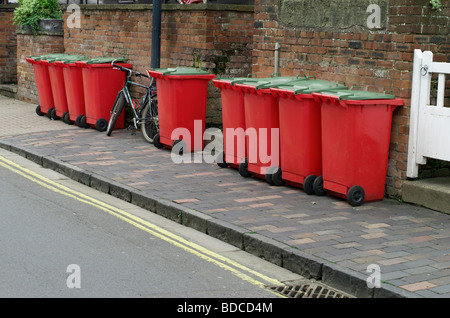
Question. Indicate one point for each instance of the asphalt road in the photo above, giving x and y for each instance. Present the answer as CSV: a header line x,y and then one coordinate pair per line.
x,y
78,242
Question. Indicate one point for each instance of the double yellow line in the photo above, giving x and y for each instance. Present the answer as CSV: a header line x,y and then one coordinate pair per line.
x,y
234,267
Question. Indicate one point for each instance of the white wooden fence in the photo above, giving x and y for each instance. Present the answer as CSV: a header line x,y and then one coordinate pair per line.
x,y
429,129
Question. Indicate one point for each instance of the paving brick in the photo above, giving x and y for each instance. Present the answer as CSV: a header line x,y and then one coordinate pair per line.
x,y
418,286
407,242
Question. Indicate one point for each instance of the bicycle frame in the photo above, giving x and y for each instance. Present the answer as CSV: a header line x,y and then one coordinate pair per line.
x,y
147,97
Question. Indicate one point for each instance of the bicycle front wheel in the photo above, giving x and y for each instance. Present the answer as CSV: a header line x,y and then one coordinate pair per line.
x,y
115,113
150,122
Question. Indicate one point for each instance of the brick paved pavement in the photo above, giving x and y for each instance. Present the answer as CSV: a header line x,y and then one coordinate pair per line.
x,y
320,237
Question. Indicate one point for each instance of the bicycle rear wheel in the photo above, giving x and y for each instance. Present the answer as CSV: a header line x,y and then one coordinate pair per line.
x,y
115,112
150,122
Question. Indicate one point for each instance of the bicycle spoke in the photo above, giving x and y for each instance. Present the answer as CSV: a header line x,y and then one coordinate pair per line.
x,y
115,113
150,125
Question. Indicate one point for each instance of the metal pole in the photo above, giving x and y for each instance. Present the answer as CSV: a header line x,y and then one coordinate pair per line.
x,y
156,34
277,58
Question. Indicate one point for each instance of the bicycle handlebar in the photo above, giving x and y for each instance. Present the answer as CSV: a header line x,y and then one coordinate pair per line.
x,y
124,69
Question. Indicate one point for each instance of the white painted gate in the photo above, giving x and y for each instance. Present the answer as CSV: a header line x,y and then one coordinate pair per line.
x,y
429,128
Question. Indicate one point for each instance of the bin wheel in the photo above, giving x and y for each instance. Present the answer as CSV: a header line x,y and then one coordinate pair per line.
x,y
318,186
52,113
66,118
220,160
308,184
101,124
268,178
277,177
179,145
38,111
355,195
78,120
156,141
243,169
83,123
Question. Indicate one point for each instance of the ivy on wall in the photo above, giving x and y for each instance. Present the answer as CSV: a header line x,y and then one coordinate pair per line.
x,y
436,5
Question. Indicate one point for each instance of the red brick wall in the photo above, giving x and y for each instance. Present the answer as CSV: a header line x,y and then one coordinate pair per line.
x,y
8,47
121,33
201,36
377,61
218,40
30,45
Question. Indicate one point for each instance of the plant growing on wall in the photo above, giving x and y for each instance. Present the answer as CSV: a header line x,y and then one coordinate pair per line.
x,y
29,12
436,5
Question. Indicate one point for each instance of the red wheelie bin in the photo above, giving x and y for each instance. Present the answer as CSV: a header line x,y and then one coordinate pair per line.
x,y
55,73
356,130
73,79
261,127
43,84
233,122
101,83
300,132
182,97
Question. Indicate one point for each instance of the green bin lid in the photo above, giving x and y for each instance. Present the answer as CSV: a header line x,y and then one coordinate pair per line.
x,y
232,80
268,82
66,58
104,60
72,58
311,86
181,71
47,56
352,94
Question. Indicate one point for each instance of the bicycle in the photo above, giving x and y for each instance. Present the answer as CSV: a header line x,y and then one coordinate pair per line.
x,y
145,112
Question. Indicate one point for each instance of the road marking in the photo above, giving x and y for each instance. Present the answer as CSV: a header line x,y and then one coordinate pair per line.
x,y
193,248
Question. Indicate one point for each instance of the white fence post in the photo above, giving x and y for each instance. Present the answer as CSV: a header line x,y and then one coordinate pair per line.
x,y
412,168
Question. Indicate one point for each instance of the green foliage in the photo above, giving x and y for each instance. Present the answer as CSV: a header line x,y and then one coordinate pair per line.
x,y
29,12
436,5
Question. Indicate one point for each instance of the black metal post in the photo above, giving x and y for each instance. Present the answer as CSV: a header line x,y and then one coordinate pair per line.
x,y
156,34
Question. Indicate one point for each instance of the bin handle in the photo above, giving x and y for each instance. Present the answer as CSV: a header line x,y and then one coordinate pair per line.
x,y
238,81
289,83
351,88
324,90
343,96
391,92
330,91
169,70
279,74
298,91
262,86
